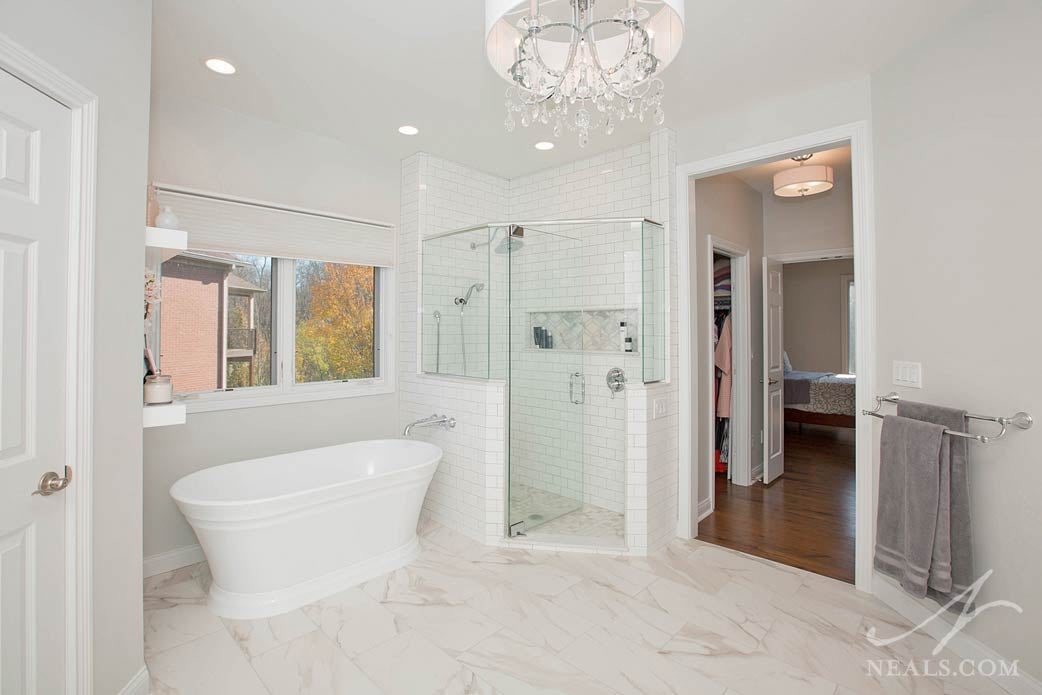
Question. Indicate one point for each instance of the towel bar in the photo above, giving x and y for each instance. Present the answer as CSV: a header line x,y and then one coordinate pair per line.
x,y
1021,420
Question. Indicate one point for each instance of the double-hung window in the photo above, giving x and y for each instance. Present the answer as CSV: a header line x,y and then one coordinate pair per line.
x,y
271,305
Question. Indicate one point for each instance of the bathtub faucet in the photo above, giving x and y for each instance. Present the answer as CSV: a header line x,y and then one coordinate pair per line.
x,y
443,421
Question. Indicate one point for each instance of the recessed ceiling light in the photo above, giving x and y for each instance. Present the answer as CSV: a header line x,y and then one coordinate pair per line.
x,y
544,145
409,130
221,67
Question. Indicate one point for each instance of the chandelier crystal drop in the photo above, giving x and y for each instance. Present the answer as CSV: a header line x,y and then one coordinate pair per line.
x,y
569,70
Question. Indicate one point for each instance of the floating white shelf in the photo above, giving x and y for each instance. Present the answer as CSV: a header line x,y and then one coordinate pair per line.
x,y
164,244
164,415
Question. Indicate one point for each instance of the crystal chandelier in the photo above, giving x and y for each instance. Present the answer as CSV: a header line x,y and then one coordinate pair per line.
x,y
577,72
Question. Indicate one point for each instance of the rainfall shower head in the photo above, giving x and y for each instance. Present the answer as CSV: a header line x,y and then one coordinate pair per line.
x,y
513,241
463,301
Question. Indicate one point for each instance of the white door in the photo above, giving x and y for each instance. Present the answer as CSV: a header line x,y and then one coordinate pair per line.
x,y
35,142
773,372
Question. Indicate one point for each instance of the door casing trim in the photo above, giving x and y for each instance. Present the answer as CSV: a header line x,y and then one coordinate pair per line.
x,y
79,421
858,135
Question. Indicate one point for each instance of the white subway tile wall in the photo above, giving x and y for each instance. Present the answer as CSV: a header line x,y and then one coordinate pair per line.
x,y
629,461
468,490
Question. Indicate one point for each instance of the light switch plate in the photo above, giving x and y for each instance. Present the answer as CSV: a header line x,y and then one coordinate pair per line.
x,y
661,408
908,374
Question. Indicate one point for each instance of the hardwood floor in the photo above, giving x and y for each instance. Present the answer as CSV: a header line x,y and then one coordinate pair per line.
x,y
805,518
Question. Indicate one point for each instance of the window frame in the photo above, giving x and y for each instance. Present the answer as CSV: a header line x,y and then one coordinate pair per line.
x,y
286,390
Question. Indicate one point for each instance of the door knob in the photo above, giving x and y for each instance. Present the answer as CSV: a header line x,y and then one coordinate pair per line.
x,y
51,483
772,382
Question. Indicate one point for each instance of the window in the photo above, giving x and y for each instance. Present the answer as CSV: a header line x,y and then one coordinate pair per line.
x,y
335,322
240,329
849,325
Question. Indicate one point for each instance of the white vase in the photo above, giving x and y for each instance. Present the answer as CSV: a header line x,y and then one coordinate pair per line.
x,y
167,219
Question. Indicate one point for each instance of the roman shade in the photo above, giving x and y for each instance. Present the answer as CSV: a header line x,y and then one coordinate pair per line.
x,y
216,222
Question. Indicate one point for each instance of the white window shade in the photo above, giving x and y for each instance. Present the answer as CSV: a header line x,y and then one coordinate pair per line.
x,y
217,222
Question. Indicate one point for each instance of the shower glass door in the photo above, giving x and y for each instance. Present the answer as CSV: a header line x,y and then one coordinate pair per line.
x,y
548,384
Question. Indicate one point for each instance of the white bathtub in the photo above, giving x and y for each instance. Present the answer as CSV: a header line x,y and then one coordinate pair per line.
x,y
283,531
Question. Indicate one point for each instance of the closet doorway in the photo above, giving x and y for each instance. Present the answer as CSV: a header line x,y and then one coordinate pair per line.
x,y
777,439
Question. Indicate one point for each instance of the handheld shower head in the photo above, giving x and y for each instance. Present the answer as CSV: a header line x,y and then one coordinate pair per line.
x,y
463,301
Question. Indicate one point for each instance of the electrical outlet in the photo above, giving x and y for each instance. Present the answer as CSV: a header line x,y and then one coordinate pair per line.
x,y
661,409
908,374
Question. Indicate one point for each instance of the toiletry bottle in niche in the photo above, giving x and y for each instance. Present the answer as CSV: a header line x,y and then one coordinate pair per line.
x,y
623,336
629,345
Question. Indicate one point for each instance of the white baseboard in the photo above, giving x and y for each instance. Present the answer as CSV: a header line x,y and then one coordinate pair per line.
x,y
173,559
965,646
138,685
705,508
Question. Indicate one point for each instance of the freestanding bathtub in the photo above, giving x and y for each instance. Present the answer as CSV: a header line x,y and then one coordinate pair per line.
x,y
283,531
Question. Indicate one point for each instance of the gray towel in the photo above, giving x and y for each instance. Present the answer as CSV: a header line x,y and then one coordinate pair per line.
x,y
906,517
952,571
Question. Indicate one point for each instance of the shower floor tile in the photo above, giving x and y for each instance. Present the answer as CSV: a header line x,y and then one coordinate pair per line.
x,y
549,514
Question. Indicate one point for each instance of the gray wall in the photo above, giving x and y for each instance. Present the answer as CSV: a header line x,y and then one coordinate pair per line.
x,y
724,206
105,46
213,149
958,269
813,314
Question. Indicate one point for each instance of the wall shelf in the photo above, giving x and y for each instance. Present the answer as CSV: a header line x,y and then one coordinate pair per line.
x,y
164,415
164,244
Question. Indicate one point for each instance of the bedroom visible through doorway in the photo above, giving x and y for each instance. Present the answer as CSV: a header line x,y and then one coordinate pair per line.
x,y
791,497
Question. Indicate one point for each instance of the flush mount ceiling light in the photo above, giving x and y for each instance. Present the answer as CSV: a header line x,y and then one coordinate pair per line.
x,y
803,180
220,66
409,130
544,145
581,72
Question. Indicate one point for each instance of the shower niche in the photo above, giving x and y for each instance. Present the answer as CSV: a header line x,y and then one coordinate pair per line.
x,y
568,314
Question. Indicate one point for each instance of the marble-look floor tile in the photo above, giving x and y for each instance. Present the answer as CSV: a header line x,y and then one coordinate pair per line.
x,y
410,665
178,584
311,665
722,625
435,577
255,637
839,658
762,575
177,619
454,629
354,620
634,670
533,618
515,667
446,539
210,665
619,614
748,673
620,576
531,571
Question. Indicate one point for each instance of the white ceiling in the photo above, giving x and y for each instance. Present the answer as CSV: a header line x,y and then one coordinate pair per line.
x,y
355,70
761,176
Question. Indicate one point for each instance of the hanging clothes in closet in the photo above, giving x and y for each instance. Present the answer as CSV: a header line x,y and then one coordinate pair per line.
x,y
722,360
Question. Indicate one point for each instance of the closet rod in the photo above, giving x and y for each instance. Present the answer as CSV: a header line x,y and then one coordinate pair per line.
x,y
1021,420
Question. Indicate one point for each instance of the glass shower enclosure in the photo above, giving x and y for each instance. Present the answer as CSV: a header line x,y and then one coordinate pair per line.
x,y
567,313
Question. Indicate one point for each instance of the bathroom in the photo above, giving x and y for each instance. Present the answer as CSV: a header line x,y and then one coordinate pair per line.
x,y
323,372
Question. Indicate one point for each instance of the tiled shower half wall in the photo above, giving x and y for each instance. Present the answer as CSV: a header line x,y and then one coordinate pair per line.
x,y
576,282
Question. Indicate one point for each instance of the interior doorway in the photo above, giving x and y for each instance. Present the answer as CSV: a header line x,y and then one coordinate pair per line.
x,y
792,497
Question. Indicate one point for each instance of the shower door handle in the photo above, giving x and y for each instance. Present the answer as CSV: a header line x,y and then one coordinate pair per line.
x,y
582,388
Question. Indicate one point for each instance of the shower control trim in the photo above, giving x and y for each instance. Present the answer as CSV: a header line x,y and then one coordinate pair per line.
x,y
616,380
